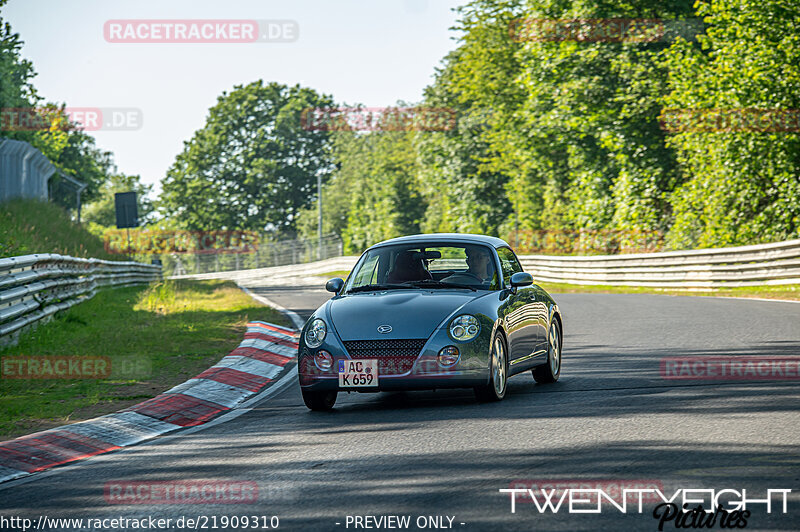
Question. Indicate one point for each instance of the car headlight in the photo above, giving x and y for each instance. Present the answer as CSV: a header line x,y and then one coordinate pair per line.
x,y
464,327
315,334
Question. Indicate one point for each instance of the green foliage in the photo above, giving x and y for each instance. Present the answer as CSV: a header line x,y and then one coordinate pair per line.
x,y
102,210
378,170
253,165
16,89
741,187
566,135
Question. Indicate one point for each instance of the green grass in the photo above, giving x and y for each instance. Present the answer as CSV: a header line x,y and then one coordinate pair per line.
x,y
330,275
789,292
168,332
30,226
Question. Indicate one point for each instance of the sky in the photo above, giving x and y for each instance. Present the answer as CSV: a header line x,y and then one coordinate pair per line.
x,y
373,52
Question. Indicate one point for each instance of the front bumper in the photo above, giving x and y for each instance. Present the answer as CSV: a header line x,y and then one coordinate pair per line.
x,y
455,379
472,368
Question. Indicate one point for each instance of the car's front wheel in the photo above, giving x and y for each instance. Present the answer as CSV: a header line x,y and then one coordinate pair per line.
x,y
498,371
551,371
319,401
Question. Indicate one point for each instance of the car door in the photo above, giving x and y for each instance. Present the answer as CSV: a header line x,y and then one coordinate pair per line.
x,y
521,313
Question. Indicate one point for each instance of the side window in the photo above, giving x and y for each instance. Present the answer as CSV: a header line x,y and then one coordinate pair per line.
x,y
367,274
509,263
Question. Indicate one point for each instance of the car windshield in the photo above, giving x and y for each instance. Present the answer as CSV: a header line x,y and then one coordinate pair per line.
x,y
425,266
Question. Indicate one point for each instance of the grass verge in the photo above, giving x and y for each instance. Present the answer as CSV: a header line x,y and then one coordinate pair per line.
x,y
156,337
30,226
330,275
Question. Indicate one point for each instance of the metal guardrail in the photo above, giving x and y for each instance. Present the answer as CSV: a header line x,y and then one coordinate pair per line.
x,y
764,264
33,287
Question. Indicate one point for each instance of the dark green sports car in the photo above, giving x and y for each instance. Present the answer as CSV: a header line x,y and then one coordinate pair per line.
x,y
430,311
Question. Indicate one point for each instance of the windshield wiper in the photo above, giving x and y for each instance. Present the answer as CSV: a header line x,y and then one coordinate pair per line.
x,y
375,287
430,283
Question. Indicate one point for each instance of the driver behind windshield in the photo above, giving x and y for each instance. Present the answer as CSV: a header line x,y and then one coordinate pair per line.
x,y
479,267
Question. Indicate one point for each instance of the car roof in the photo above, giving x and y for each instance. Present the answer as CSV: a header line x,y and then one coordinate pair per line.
x,y
460,238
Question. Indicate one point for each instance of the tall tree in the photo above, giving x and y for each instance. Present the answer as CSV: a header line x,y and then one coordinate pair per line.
x,y
254,165
66,145
478,80
16,73
742,184
380,169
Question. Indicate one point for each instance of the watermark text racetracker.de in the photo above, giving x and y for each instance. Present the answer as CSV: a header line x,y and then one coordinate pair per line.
x,y
609,30
67,118
730,368
419,118
155,241
730,120
181,492
75,367
200,31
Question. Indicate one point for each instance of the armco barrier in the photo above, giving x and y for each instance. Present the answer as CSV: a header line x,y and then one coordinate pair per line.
x,y
764,264
33,287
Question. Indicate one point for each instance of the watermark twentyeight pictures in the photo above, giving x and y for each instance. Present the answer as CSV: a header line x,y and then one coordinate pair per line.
x,y
420,118
611,30
542,491
197,31
730,120
85,118
682,505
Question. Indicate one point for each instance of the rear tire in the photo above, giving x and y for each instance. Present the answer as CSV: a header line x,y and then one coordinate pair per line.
x,y
319,401
552,370
498,371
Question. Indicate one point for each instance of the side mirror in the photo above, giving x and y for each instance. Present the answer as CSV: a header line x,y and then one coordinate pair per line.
x,y
334,285
521,279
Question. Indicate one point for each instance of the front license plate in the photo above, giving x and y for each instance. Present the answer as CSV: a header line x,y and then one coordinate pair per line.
x,y
358,373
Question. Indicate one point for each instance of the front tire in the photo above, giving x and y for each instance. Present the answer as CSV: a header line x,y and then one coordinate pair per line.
x,y
319,401
498,371
552,370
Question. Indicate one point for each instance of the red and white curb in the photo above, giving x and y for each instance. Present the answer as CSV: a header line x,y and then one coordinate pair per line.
x,y
266,353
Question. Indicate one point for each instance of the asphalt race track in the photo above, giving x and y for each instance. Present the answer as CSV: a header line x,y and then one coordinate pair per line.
x,y
611,420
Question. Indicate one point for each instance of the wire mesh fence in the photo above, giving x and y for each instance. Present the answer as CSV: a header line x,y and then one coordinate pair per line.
x,y
208,252
24,171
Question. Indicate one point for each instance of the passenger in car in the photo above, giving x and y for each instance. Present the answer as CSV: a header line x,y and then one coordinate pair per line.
x,y
408,267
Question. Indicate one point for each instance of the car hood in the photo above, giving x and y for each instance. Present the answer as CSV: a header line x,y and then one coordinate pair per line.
x,y
410,313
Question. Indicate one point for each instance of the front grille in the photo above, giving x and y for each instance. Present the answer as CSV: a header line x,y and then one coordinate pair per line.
x,y
394,356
